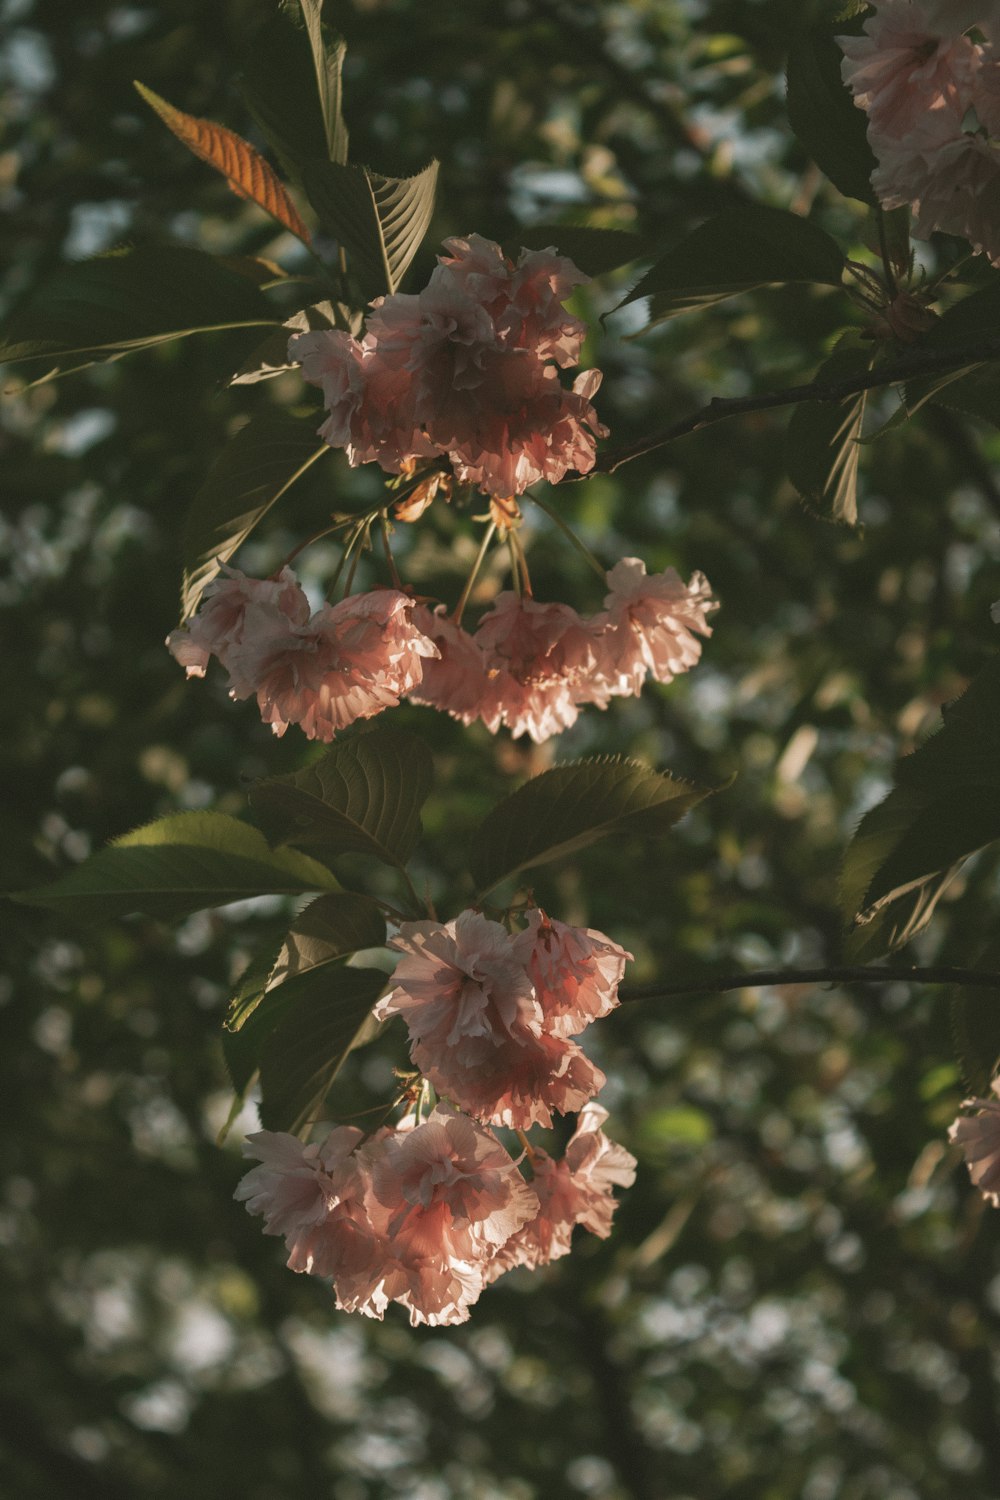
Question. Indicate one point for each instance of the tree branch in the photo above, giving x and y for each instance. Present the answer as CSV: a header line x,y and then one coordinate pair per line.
x,y
843,974
909,366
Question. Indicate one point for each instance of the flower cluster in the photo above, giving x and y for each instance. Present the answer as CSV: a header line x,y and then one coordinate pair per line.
x,y
532,666
467,370
528,666
979,1137
428,1215
348,661
490,1015
932,96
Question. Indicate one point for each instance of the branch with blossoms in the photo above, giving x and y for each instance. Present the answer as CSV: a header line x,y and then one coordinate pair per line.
x,y
459,394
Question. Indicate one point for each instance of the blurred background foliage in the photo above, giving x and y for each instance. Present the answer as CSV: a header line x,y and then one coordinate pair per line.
x,y
802,1295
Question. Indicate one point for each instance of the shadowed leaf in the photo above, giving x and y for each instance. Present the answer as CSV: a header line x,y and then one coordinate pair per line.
x,y
380,221
132,299
945,805
257,467
822,444
738,251
307,1047
824,117
363,797
179,864
564,810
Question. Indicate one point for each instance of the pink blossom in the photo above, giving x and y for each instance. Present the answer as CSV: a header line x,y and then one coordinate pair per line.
x,y
903,70
314,1196
348,662
649,626
465,369
476,1028
576,972
456,681
979,1137
233,607
575,1190
537,657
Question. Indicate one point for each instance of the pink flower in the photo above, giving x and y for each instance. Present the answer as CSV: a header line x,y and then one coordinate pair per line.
x,y
576,972
456,681
903,70
476,1028
233,607
575,1190
979,1137
465,370
537,656
649,626
314,1196
348,662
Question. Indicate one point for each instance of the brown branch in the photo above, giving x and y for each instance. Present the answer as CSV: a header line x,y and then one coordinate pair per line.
x,y
842,974
909,366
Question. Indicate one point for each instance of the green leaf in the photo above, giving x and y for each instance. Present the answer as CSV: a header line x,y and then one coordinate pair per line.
x,y
297,968
380,221
738,251
179,864
566,809
975,1024
307,1047
132,299
824,117
363,797
945,805
595,251
270,358
970,388
279,89
328,60
822,445
254,470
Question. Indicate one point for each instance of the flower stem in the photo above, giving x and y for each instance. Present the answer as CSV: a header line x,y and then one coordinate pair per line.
x,y
568,531
393,571
459,609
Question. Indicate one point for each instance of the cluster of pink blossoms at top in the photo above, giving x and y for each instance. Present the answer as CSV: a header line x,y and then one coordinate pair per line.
x,y
429,1214
468,370
529,666
932,96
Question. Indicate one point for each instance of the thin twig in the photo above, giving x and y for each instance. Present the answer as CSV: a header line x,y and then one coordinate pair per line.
x,y
909,366
838,974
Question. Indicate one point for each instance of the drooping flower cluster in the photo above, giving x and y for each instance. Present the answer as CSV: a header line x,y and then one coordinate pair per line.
x,y
528,666
467,370
979,1137
490,1015
932,96
323,671
427,1215
532,666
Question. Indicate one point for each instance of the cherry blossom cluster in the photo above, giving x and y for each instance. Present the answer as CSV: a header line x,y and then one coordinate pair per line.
x,y
979,1137
490,1015
429,1214
528,666
932,95
466,370
321,670
532,666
